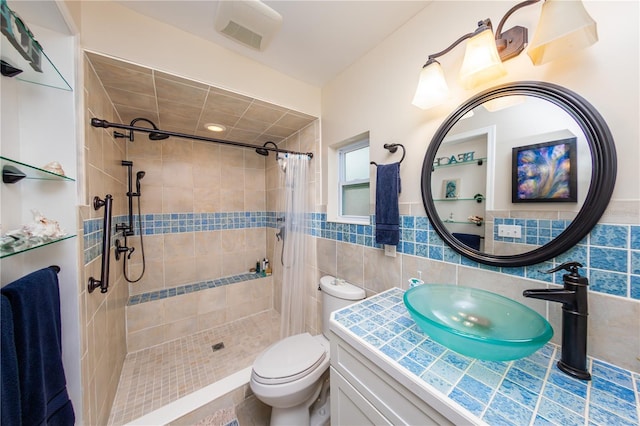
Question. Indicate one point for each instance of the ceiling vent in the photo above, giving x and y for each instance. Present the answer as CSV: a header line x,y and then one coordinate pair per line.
x,y
249,22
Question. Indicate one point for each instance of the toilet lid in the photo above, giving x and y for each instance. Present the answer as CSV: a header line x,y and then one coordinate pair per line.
x,y
289,359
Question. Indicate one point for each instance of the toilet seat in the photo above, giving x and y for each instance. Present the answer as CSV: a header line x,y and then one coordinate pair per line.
x,y
289,359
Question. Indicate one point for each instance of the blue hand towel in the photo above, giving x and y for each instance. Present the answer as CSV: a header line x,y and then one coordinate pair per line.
x,y
387,211
10,386
470,240
35,303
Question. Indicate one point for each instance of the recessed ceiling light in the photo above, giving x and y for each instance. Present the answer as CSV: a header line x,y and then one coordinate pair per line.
x,y
213,127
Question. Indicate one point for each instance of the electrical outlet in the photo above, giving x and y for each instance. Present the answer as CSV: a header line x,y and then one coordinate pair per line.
x,y
510,231
389,250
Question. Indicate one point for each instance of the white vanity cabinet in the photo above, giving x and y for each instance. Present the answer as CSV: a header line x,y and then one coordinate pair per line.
x,y
366,390
385,371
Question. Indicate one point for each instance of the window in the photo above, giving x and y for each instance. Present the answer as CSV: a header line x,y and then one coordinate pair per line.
x,y
353,181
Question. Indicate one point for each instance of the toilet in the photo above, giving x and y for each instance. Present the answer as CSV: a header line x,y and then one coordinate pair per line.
x,y
290,374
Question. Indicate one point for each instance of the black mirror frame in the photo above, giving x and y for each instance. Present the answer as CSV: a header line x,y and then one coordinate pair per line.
x,y
603,175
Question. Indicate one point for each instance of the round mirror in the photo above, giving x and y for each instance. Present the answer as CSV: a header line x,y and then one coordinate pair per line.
x,y
519,174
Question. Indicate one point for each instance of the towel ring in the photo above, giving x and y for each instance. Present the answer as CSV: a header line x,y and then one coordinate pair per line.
x,y
392,148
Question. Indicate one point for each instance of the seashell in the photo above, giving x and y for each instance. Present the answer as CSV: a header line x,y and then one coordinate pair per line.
x,y
54,167
43,227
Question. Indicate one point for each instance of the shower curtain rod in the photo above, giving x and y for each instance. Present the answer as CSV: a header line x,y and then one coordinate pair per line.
x,y
96,122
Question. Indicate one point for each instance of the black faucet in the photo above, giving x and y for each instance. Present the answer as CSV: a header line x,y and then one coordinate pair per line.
x,y
573,297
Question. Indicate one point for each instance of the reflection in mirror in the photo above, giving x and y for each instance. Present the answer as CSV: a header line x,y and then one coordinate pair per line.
x,y
476,154
518,174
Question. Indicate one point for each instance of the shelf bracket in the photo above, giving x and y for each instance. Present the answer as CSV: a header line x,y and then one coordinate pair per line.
x,y
12,174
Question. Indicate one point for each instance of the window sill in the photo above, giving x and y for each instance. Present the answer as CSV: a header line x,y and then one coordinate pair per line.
x,y
350,220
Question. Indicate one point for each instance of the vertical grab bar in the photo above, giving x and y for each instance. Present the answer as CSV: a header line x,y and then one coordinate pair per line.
x,y
103,283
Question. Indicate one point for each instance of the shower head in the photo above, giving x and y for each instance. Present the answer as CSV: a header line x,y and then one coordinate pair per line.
x,y
139,176
154,136
157,136
264,151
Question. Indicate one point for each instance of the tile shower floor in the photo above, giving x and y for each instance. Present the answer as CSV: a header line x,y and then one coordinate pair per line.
x,y
161,374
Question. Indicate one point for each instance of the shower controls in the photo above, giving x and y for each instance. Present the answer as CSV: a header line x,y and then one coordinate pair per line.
x,y
120,249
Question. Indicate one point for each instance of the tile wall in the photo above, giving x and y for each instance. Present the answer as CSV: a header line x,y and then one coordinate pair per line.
x,y
102,315
162,316
185,183
206,224
610,253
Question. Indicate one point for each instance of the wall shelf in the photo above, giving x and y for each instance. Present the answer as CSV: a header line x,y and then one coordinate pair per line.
x,y
7,251
12,172
479,200
445,221
476,161
30,172
21,50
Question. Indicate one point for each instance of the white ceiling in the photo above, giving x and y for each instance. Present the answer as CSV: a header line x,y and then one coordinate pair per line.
x,y
317,41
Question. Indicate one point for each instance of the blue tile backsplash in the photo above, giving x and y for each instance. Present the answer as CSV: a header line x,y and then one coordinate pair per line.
x,y
534,231
522,392
610,253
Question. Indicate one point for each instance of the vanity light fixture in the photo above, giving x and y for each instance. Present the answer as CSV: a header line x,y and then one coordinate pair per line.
x,y
564,26
214,127
481,63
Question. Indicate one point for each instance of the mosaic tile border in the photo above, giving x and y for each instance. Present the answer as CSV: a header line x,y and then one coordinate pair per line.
x,y
169,223
610,253
526,391
190,288
92,236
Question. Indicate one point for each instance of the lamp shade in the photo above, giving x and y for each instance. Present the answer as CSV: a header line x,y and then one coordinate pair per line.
x,y
564,27
481,61
432,87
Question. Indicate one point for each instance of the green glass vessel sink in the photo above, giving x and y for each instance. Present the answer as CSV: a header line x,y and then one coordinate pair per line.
x,y
477,323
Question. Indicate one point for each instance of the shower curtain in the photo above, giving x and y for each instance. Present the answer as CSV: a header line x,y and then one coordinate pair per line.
x,y
295,213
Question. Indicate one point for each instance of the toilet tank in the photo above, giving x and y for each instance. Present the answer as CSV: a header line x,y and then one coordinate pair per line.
x,y
336,294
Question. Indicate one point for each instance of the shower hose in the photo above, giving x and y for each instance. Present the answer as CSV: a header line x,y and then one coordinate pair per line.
x,y
124,264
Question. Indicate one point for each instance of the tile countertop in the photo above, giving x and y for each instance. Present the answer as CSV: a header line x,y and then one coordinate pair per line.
x,y
528,391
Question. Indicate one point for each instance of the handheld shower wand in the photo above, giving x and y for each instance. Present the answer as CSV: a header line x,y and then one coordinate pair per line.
x,y
139,177
128,229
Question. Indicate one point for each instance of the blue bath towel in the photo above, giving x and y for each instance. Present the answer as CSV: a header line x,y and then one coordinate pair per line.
x,y
10,390
387,211
469,240
35,304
